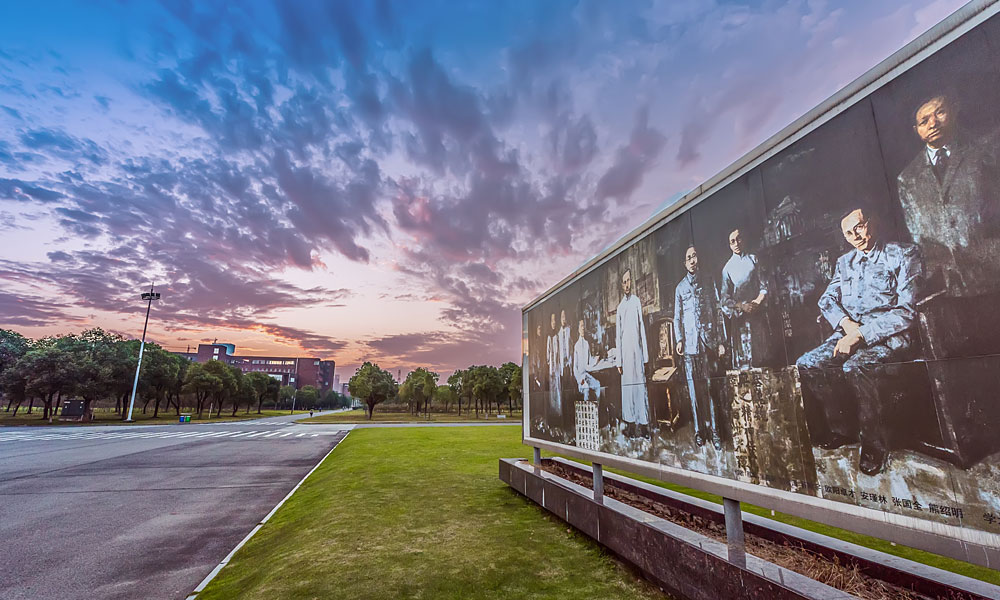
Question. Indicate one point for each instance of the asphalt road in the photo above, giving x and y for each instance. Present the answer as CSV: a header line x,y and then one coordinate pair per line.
x,y
140,512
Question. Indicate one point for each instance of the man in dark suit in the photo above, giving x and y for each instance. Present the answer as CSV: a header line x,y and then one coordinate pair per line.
x,y
950,195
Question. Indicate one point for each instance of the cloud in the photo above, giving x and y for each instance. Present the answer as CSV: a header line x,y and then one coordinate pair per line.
x,y
632,160
31,311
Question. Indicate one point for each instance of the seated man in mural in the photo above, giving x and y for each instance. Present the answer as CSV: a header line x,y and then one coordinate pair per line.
x,y
871,304
583,364
742,295
632,356
950,195
699,331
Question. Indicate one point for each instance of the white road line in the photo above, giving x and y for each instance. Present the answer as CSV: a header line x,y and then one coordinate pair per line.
x,y
256,433
272,434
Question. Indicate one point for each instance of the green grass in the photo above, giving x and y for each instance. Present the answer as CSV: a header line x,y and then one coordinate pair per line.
x,y
383,416
420,513
935,560
109,417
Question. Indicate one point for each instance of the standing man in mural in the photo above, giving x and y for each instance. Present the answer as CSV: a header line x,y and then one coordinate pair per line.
x,y
565,347
699,330
950,195
536,373
583,362
871,304
743,294
553,417
632,356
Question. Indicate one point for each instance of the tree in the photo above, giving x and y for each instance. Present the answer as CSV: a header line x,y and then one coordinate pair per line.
x,y
13,346
444,396
372,385
511,375
228,377
418,389
177,386
487,386
406,394
457,384
286,393
245,393
46,373
202,383
307,396
259,384
92,364
158,376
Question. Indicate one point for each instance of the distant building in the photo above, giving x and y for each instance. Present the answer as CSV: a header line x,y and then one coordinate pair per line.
x,y
294,371
336,382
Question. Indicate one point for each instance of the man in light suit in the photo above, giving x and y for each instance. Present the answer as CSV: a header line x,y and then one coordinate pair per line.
x,y
950,195
871,304
700,335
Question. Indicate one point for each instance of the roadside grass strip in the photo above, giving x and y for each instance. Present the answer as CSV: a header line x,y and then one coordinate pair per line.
x,y
420,513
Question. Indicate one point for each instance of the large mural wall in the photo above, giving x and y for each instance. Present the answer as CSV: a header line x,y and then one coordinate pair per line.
x,y
827,324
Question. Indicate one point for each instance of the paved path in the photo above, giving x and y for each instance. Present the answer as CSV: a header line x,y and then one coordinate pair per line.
x,y
140,511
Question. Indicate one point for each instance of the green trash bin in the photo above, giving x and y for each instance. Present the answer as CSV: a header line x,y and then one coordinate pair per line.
x,y
185,418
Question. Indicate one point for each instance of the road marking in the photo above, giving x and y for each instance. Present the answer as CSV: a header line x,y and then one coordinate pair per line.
x,y
48,436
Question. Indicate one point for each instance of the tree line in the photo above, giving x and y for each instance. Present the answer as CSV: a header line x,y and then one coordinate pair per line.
x,y
478,387
97,366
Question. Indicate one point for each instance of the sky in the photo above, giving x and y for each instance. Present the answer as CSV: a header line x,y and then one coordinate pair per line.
x,y
377,180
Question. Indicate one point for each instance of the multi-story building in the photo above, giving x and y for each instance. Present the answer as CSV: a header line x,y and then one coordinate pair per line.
x,y
294,371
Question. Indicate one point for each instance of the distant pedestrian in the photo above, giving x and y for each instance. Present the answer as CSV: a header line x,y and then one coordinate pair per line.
x,y
310,413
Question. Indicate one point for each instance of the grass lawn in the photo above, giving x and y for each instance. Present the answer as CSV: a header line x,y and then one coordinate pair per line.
x,y
380,416
420,513
109,417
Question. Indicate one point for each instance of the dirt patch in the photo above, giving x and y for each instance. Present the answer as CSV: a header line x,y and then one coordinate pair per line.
x,y
794,557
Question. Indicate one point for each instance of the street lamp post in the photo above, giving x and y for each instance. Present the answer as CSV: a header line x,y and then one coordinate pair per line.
x,y
148,297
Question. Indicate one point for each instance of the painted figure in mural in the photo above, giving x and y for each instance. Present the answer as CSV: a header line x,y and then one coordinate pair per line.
x,y
583,363
871,304
950,195
554,356
537,371
743,293
632,356
700,334
565,346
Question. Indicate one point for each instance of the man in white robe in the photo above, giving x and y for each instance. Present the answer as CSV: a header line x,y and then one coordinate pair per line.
x,y
631,359
583,363
554,356
565,346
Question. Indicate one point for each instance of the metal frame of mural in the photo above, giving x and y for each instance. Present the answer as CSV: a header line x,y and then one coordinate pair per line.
x,y
813,330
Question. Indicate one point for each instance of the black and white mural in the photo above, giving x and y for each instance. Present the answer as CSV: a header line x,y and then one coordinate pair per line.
x,y
825,324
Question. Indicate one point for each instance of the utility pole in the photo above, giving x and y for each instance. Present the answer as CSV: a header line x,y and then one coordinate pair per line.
x,y
148,297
